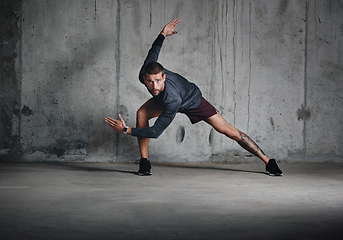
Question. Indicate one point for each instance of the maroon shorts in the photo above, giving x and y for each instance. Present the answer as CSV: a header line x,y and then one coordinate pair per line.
x,y
201,112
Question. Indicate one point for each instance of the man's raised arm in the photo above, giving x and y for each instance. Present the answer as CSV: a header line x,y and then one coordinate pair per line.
x,y
168,30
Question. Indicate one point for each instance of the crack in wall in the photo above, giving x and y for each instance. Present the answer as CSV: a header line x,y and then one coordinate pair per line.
x,y
213,72
222,47
95,10
234,40
305,74
117,58
249,99
20,67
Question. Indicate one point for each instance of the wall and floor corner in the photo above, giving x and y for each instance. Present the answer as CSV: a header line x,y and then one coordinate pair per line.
x,y
273,69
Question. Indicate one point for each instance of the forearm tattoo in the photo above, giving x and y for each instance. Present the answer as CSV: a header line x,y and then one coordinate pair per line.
x,y
249,144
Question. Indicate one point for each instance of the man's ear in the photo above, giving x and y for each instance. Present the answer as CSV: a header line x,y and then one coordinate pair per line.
x,y
164,76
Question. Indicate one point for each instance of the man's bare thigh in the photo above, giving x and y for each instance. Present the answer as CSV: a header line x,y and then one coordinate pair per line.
x,y
151,108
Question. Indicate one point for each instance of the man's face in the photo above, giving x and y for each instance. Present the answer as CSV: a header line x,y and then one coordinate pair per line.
x,y
155,83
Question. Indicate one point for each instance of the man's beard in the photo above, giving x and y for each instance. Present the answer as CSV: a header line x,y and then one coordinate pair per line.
x,y
157,92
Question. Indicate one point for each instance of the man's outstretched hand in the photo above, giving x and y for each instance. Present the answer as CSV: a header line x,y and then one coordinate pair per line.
x,y
169,29
117,125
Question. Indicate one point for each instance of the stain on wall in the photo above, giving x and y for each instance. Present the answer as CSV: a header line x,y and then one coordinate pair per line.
x,y
26,111
10,69
303,113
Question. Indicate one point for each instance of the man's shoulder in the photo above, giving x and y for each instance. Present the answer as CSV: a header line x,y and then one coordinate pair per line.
x,y
170,73
171,96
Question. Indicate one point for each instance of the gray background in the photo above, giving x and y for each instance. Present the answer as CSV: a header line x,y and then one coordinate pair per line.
x,y
272,68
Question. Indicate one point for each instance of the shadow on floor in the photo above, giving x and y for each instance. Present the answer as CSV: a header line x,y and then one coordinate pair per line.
x,y
91,167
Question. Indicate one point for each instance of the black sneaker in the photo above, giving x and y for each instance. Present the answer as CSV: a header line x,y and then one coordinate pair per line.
x,y
144,167
273,169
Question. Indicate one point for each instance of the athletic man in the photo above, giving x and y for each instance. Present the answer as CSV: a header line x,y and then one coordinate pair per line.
x,y
172,93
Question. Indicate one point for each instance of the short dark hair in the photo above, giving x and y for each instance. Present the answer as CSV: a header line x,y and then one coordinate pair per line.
x,y
153,68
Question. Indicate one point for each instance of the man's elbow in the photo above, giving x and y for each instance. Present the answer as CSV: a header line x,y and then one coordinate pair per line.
x,y
156,134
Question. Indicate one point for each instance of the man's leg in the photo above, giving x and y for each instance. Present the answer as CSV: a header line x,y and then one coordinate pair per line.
x,y
148,110
219,124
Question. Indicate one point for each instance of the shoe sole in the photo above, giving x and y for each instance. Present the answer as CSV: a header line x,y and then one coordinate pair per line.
x,y
274,174
145,174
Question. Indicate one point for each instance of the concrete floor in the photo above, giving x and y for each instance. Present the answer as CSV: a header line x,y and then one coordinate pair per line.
x,y
179,201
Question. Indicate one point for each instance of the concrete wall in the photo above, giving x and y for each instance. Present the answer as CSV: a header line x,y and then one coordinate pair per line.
x,y
272,68
10,77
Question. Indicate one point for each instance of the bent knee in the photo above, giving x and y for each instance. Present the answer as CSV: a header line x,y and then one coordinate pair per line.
x,y
142,114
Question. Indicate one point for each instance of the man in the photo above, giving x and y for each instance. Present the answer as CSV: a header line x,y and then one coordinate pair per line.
x,y
172,93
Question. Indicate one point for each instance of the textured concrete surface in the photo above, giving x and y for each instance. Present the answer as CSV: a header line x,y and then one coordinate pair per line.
x,y
272,68
179,201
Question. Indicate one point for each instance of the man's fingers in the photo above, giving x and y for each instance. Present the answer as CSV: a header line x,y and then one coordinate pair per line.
x,y
109,120
115,124
174,21
112,122
120,118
